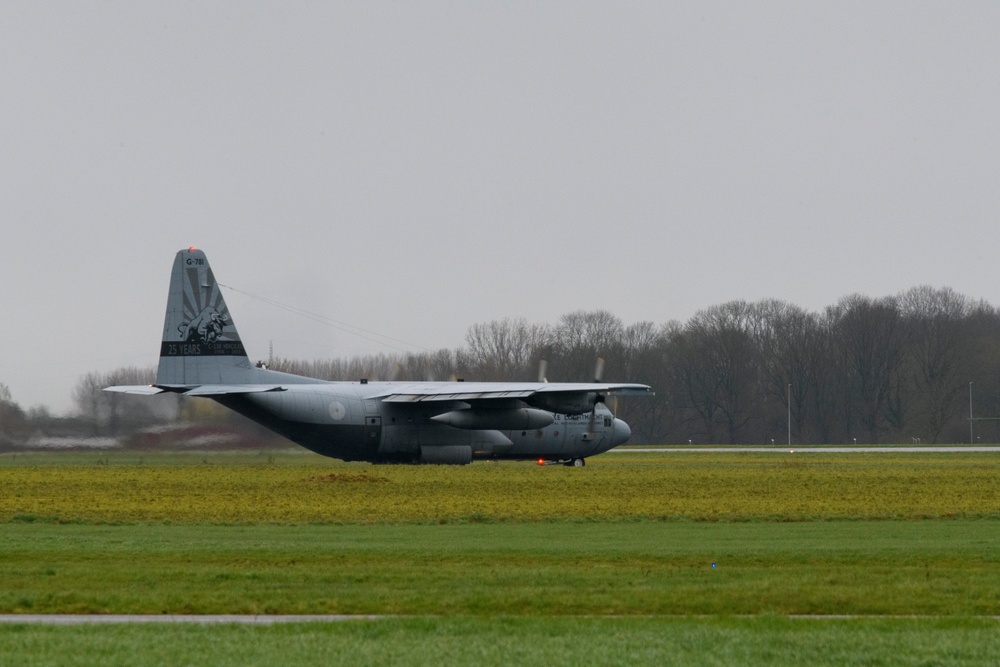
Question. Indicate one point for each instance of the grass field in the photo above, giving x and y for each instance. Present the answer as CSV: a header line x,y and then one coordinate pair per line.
x,y
538,569
517,641
491,564
301,488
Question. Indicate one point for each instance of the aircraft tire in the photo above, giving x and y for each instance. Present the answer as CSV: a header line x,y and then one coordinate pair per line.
x,y
578,463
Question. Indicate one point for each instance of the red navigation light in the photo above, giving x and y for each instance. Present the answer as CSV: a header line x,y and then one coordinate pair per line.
x,y
192,248
541,462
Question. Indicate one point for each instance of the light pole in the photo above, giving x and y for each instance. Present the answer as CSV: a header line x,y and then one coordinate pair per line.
x,y
972,439
789,414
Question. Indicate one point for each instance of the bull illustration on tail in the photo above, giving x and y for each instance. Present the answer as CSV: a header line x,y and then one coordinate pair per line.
x,y
205,328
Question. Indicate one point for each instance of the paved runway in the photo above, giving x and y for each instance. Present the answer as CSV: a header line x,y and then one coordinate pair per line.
x,y
240,619
201,619
943,449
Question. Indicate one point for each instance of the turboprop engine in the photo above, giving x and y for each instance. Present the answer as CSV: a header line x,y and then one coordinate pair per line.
x,y
500,420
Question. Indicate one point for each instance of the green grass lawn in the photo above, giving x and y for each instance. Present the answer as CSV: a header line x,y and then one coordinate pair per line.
x,y
516,641
541,569
507,564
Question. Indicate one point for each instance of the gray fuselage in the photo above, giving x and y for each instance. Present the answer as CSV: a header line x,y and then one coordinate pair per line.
x,y
345,420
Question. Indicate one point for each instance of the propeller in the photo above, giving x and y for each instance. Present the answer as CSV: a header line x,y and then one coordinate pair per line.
x,y
598,372
542,366
599,369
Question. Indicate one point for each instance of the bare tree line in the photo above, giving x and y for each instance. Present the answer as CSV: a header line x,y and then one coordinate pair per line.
x,y
889,369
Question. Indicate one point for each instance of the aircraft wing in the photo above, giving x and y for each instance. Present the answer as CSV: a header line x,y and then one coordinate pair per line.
x,y
222,389
199,390
497,391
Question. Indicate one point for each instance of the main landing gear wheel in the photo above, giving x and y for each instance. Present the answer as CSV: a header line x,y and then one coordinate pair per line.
x,y
576,463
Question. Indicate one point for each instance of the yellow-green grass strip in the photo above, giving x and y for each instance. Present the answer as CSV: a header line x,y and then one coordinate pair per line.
x,y
286,488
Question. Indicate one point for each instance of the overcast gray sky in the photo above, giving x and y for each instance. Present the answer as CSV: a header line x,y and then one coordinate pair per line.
x,y
415,168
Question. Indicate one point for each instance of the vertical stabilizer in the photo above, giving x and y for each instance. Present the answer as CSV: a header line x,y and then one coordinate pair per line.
x,y
200,344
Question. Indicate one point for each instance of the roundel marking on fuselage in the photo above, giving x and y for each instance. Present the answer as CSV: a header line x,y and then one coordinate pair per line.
x,y
337,411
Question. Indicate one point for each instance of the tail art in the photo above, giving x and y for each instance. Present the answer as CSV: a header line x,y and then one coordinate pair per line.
x,y
200,343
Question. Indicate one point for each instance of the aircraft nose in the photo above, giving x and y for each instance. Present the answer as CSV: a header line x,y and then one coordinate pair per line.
x,y
621,434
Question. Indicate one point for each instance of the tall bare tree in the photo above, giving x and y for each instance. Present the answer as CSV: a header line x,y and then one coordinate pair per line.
x,y
940,355
718,366
504,350
581,338
787,337
869,336
14,426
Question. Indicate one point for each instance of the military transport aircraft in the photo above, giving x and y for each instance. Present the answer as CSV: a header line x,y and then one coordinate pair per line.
x,y
201,354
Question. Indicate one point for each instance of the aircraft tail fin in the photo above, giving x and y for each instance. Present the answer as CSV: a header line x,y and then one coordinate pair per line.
x,y
200,344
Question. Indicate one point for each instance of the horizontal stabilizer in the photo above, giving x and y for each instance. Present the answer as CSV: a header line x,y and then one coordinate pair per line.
x,y
143,389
